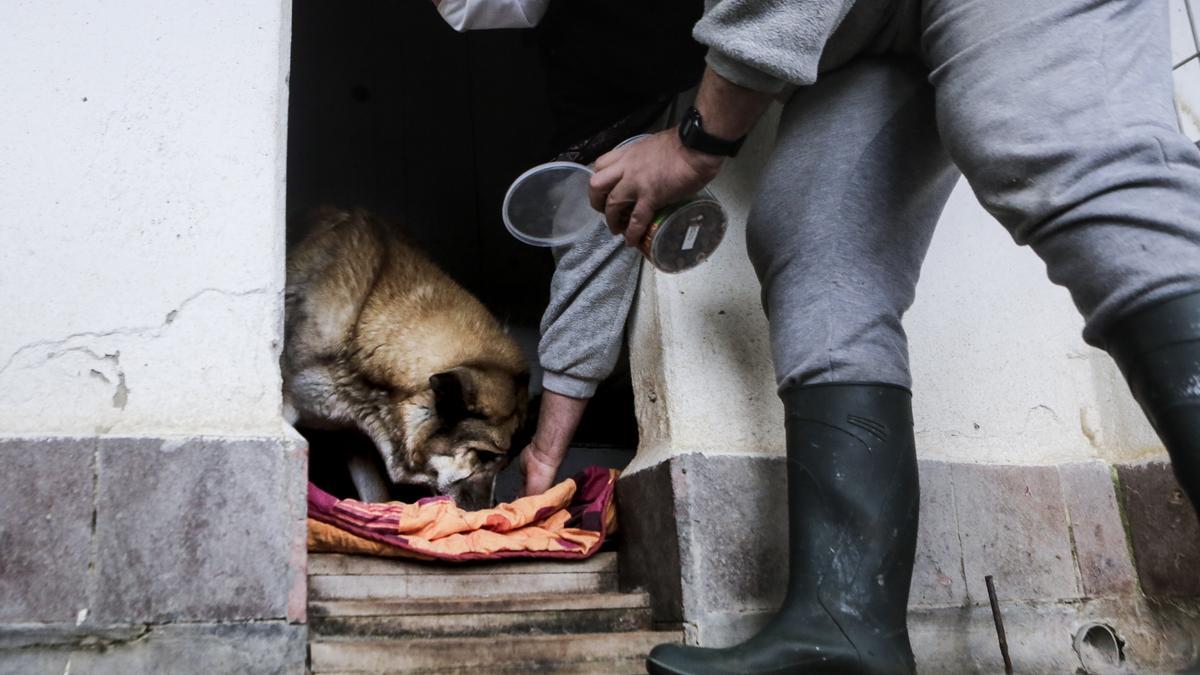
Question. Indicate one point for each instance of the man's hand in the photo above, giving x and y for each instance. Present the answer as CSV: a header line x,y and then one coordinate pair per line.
x,y
557,422
538,466
634,181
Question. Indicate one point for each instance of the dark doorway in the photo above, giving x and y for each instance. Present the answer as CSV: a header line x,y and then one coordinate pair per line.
x,y
392,110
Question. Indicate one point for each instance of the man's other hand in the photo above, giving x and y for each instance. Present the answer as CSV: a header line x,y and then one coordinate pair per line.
x,y
557,422
538,467
634,181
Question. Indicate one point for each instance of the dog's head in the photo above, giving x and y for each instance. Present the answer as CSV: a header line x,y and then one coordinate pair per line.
x,y
461,444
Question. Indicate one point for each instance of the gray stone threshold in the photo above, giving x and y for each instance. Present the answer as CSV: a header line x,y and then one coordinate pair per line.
x,y
182,648
131,555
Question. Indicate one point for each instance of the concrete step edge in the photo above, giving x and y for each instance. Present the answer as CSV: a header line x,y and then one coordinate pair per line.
x,y
496,604
629,666
500,626
449,653
320,564
403,587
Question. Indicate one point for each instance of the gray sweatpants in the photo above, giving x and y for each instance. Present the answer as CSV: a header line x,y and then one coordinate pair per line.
x,y
1058,112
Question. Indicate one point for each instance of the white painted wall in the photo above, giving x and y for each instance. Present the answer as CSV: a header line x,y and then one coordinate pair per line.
x,y
141,216
1000,373
699,352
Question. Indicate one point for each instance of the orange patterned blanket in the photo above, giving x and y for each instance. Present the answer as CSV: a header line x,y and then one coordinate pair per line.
x,y
570,520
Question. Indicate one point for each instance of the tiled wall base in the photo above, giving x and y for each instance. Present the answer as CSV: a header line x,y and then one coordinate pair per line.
x,y
266,647
1163,529
152,555
1055,637
707,536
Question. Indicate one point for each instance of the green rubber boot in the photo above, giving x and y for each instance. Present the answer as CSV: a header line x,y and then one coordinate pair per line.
x,y
1158,351
852,503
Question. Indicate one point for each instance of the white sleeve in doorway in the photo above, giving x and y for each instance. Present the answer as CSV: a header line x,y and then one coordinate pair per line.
x,y
481,14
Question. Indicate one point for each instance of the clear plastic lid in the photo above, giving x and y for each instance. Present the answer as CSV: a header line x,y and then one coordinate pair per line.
x,y
548,204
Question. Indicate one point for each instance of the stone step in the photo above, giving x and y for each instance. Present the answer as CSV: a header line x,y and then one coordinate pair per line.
x,y
631,666
342,577
347,565
582,653
477,616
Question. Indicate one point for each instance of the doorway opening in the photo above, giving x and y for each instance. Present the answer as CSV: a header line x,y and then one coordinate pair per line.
x,y
393,111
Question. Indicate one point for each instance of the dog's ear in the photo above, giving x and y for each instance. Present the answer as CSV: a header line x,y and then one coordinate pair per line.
x,y
521,382
523,400
454,393
527,427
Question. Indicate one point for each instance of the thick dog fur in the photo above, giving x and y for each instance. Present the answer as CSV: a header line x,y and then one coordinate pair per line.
x,y
379,339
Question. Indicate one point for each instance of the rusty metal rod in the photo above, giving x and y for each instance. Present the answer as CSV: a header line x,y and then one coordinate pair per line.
x,y
999,624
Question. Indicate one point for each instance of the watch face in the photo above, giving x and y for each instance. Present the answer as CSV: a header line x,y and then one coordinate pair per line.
x,y
692,135
691,125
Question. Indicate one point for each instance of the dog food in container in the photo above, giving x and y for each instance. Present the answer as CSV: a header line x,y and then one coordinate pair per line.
x,y
548,206
684,235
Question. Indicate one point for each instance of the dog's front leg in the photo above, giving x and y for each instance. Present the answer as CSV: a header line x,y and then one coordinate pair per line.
x,y
370,482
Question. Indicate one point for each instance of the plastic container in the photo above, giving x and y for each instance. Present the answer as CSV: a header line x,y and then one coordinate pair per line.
x,y
548,206
685,234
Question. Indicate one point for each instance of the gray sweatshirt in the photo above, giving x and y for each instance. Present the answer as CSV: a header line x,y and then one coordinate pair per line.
x,y
583,328
763,45
766,45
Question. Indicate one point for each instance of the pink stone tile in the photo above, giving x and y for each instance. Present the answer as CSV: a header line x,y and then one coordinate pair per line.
x,y
937,576
1013,526
1101,550
1164,530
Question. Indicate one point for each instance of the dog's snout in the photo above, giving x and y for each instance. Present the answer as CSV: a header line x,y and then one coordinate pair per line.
x,y
473,495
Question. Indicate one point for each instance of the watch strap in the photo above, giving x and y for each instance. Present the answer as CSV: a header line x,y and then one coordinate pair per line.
x,y
693,135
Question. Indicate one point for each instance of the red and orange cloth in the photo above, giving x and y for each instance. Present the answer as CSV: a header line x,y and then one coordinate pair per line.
x,y
570,520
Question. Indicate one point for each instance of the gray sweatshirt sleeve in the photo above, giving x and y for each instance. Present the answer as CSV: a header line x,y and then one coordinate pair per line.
x,y
760,44
767,44
583,327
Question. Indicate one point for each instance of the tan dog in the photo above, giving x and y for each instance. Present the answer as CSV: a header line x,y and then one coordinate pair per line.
x,y
379,339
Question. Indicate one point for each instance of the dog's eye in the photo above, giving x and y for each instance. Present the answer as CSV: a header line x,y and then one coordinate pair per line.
x,y
379,385
485,456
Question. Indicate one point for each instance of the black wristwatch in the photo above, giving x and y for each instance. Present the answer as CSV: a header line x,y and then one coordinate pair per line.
x,y
693,135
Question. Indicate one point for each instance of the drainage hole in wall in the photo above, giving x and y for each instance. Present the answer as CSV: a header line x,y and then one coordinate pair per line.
x,y
1100,649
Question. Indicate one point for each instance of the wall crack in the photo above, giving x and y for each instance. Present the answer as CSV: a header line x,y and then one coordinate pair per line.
x,y
58,347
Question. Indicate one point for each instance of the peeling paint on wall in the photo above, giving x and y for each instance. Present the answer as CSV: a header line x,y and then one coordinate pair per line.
x,y
209,367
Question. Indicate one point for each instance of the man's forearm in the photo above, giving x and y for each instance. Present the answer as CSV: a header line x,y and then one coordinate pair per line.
x,y
541,459
559,418
729,111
